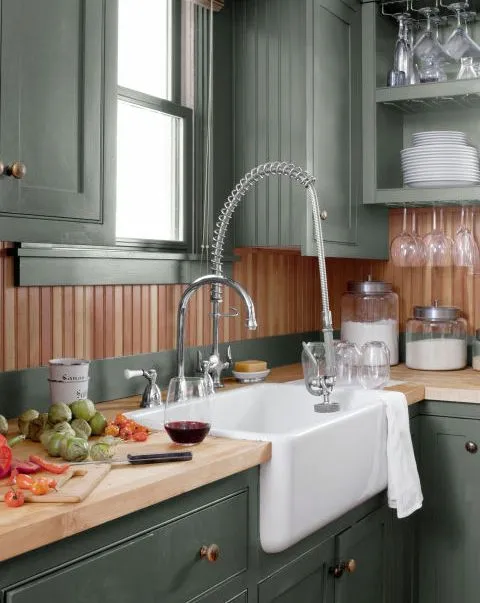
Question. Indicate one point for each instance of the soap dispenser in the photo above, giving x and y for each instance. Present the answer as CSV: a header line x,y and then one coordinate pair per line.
x,y
151,396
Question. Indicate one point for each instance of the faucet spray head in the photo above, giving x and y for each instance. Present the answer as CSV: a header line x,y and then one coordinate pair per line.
x,y
251,324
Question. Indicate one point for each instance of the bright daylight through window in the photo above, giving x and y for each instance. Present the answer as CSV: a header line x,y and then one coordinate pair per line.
x,y
151,123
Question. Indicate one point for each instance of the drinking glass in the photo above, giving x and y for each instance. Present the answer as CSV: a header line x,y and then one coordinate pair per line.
x,y
313,370
428,44
347,363
465,248
402,246
419,254
402,56
459,43
187,410
438,245
374,371
467,70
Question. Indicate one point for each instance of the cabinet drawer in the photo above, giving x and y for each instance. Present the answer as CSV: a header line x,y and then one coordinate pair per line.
x,y
164,564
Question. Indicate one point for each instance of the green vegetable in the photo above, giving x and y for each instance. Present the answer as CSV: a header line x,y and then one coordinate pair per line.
x,y
45,437
3,425
83,409
76,449
16,440
63,444
59,412
53,447
98,423
81,428
100,451
25,418
36,427
110,440
65,428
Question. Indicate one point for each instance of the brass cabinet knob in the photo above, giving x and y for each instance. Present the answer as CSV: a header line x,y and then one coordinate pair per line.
x,y
471,447
17,170
210,552
344,566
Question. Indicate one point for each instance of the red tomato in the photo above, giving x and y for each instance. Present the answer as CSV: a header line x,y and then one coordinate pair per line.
x,y
14,498
140,436
120,420
125,433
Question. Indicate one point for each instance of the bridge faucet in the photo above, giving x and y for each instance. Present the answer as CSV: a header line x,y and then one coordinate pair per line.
x,y
208,279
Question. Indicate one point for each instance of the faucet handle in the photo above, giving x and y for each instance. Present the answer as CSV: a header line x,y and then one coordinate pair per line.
x,y
128,373
152,395
229,362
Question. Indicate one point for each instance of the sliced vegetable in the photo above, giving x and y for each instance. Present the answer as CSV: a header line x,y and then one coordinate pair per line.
x,y
50,467
14,498
3,440
5,461
25,466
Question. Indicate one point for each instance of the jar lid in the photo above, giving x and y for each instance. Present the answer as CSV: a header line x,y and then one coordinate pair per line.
x,y
436,312
369,287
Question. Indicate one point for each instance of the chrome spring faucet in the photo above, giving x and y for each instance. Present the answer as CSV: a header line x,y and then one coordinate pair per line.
x,y
326,382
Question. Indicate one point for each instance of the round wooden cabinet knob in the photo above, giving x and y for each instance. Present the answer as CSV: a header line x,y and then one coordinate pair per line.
x,y
471,447
17,170
345,566
210,552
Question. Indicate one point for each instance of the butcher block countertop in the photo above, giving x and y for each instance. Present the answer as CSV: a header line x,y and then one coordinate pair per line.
x,y
128,488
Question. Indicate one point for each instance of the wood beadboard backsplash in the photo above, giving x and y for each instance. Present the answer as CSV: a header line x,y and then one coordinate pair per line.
x,y
39,323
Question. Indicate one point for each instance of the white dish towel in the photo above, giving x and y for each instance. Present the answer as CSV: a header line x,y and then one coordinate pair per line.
x,y
403,488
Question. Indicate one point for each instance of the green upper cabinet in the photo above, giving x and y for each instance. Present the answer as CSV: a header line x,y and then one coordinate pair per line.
x,y
298,98
58,117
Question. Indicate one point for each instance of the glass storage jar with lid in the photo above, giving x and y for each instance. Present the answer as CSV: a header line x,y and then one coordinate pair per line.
x,y
436,339
476,351
370,313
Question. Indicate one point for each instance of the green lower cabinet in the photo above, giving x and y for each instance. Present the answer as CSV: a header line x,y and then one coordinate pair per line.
x,y
361,568
305,580
449,538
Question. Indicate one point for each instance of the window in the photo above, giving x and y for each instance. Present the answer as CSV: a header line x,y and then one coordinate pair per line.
x,y
154,130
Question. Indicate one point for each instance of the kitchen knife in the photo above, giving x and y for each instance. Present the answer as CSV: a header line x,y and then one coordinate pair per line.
x,y
141,459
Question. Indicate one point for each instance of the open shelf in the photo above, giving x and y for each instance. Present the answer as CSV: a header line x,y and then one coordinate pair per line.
x,y
428,196
430,97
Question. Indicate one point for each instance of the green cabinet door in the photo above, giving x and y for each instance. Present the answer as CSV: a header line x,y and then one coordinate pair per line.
x,y
449,552
363,548
305,580
297,83
58,116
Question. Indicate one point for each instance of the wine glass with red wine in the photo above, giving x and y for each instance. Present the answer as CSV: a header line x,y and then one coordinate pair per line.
x,y
187,410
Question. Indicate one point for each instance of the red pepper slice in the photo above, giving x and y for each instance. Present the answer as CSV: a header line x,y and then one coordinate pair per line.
x,y
5,461
3,440
50,467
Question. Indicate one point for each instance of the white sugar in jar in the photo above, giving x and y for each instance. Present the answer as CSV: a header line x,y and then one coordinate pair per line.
x,y
436,339
370,313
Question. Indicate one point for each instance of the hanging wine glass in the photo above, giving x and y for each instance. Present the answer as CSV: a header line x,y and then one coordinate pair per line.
x,y
419,255
459,43
402,246
438,245
465,248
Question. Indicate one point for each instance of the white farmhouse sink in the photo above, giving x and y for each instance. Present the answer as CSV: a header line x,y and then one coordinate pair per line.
x,y
322,464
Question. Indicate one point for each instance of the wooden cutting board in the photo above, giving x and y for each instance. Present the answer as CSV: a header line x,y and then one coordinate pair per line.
x,y
72,486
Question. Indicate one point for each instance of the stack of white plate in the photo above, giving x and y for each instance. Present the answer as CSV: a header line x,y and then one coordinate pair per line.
x,y
440,159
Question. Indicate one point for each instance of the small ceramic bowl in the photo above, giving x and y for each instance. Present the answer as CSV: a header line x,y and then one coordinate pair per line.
x,y
68,369
68,392
252,377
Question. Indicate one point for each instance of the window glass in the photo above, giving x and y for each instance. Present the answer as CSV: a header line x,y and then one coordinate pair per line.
x,y
149,174
144,46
